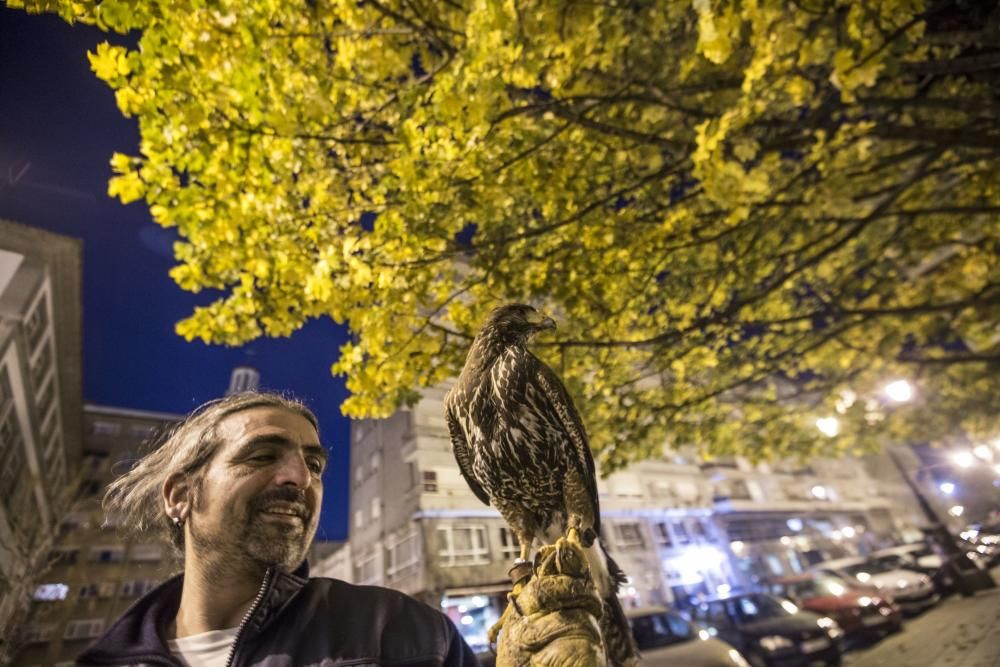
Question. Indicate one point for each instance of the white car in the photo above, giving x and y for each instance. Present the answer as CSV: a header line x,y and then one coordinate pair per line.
x,y
666,638
912,591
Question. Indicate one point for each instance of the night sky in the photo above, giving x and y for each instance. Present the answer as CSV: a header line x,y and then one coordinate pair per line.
x,y
58,120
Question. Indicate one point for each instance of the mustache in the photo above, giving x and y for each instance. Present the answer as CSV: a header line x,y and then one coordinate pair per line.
x,y
284,496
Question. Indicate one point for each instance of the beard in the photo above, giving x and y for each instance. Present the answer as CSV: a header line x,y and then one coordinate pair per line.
x,y
250,541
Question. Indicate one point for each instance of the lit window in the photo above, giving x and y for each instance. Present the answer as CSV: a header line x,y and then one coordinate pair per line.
x,y
51,592
375,460
359,519
629,535
376,508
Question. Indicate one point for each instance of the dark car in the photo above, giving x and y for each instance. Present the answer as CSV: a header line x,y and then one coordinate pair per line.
x,y
771,631
857,611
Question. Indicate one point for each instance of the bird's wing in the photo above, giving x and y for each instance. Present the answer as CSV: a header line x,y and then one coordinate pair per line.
x,y
562,405
460,448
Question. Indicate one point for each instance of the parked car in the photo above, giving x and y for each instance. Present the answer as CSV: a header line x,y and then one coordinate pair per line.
x,y
912,591
920,557
771,631
666,638
858,612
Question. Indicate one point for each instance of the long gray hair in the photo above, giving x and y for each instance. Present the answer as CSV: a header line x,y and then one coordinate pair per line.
x,y
135,499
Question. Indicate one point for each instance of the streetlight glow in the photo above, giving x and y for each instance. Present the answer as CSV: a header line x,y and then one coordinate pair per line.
x,y
828,426
956,510
963,459
947,488
819,492
899,391
983,452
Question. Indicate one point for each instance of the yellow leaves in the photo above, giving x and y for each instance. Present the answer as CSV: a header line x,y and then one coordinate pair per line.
x,y
109,63
716,30
127,187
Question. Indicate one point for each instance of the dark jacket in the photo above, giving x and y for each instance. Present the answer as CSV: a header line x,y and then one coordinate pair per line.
x,y
297,621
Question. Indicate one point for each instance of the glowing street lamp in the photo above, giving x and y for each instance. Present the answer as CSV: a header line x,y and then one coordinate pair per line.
x,y
963,459
899,391
828,426
956,510
947,488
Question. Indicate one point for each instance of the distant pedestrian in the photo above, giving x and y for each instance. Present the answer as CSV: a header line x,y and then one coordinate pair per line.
x,y
237,489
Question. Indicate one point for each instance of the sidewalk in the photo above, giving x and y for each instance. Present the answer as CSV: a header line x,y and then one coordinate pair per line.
x,y
957,632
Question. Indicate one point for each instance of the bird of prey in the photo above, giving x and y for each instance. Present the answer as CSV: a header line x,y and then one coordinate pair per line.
x,y
521,446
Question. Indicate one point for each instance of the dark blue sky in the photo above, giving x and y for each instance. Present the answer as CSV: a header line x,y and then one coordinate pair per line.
x,y
61,122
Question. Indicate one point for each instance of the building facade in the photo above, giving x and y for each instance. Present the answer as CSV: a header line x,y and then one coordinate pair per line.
x,y
679,527
95,572
40,404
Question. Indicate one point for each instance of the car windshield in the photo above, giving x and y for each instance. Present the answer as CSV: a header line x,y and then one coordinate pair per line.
x,y
875,566
663,629
753,608
816,588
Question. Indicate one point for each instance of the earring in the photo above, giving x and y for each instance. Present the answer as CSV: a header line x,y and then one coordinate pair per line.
x,y
177,521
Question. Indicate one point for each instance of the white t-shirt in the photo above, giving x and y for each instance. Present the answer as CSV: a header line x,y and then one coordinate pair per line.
x,y
209,649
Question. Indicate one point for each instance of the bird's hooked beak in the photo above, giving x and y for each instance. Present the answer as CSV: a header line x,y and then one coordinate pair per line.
x,y
540,322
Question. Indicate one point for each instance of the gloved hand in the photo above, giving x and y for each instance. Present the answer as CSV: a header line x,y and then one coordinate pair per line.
x,y
553,618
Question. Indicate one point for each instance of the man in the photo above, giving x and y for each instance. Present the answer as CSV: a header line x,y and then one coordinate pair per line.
x,y
237,488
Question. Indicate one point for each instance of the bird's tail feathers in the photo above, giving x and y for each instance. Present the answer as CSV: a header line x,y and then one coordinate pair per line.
x,y
608,578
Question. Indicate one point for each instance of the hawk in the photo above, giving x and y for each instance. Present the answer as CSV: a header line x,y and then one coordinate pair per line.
x,y
521,446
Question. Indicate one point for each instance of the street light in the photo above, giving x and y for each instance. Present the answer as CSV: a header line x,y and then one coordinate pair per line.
x,y
899,391
956,510
947,488
828,426
963,459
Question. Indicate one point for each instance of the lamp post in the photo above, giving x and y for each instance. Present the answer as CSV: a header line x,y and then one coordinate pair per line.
x,y
968,578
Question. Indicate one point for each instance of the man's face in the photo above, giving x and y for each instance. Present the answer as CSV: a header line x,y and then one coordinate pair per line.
x,y
258,502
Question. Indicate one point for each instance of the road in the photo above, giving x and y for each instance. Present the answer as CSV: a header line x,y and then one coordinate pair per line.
x,y
958,632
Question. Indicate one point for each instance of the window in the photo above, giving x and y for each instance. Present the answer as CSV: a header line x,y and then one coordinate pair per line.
x,y
109,554
134,588
39,633
99,427
366,570
430,478
376,508
629,535
51,592
106,589
141,431
88,591
84,629
35,323
681,532
375,461
145,553
509,546
359,518
64,556
42,364
359,474
404,553
662,534
463,545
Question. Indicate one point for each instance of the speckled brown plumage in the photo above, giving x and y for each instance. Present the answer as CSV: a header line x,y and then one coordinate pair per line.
x,y
521,446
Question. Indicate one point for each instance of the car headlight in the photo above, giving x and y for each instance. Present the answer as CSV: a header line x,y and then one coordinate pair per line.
x,y
831,627
775,642
738,659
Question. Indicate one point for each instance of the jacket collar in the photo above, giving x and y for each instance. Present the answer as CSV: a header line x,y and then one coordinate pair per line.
x,y
137,637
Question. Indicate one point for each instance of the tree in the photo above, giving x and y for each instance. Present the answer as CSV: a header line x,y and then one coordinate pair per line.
x,y
738,210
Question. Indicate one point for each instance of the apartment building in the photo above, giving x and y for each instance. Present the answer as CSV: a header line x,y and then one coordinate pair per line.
x,y
679,527
95,572
40,404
